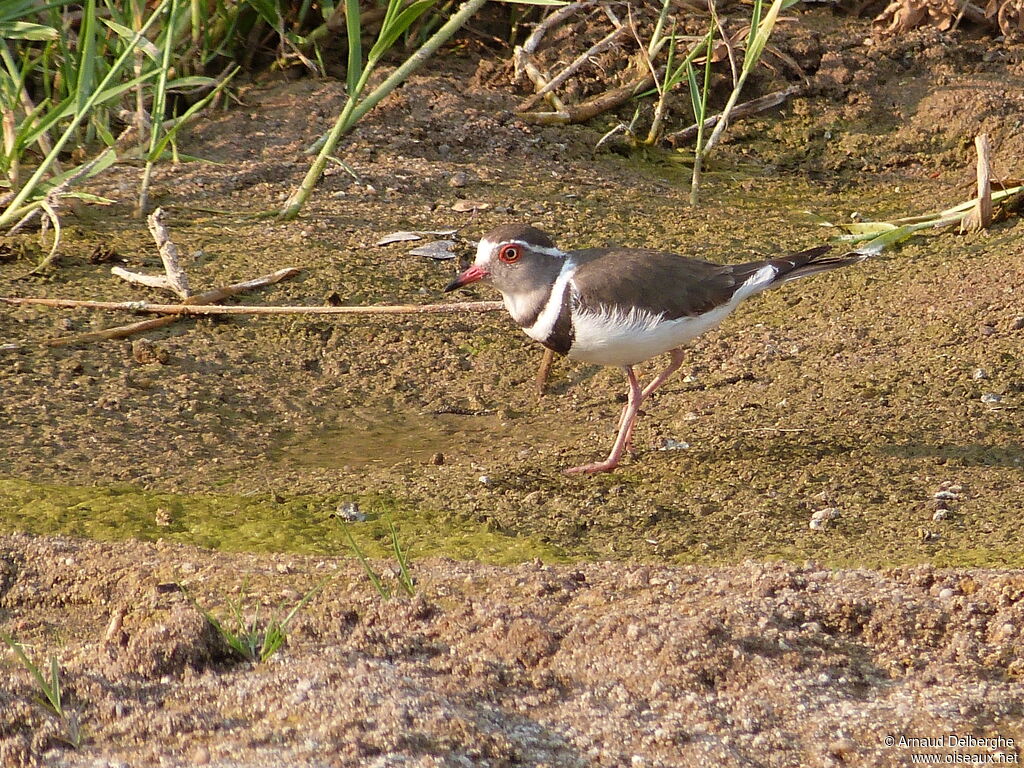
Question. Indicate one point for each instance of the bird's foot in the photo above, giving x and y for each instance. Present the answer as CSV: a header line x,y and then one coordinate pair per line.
x,y
589,469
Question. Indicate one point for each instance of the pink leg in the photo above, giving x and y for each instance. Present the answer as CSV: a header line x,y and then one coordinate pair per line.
x,y
675,360
629,414
625,430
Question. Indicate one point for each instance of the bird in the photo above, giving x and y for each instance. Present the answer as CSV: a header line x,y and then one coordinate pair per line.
x,y
619,306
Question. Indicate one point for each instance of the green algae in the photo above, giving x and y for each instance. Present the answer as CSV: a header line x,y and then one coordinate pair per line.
x,y
304,524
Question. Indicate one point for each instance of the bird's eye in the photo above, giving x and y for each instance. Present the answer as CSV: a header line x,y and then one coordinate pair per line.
x,y
510,253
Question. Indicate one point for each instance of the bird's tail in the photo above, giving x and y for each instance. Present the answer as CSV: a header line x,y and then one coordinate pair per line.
x,y
758,276
810,262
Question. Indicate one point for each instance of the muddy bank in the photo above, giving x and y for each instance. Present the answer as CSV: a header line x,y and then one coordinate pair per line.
x,y
611,665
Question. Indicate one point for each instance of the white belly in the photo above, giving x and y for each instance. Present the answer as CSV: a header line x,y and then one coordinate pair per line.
x,y
627,339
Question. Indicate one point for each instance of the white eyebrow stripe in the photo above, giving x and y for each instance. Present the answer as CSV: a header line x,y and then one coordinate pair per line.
x,y
485,247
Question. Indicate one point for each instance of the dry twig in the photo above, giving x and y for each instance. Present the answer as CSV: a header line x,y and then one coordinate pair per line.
x,y
203,304
592,107
751,107
123,331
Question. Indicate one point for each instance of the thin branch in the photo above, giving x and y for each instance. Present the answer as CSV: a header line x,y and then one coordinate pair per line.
x,y
217,309
522,54
532,43
569,71
580,113
122,331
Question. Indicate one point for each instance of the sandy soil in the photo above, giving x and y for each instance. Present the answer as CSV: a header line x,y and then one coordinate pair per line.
x,y
660,631
598,664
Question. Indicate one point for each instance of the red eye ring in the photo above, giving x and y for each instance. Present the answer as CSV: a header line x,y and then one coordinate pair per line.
x,y
510,253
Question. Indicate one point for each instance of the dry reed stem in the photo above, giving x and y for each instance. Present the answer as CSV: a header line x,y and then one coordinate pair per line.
x,y
592,107
980,217
150,281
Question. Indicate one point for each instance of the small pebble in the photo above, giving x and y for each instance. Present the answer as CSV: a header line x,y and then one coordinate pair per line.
x,y
823,517
437,459
979,374
842,748
939,515
458,180
829,513
484,479
1017,324
945,496
466,206
349,511
991,398
945,593
668,444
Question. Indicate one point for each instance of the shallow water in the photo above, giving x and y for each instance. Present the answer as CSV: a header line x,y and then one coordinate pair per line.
x,y
384,438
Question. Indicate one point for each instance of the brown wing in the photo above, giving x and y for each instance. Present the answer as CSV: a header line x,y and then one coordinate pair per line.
x,y
677,286
653,281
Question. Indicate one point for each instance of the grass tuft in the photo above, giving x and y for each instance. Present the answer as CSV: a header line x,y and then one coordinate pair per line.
x,y
51,696
254,640
405,580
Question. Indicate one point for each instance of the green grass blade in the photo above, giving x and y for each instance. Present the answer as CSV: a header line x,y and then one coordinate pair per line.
x,y
353,27
87,55
24,30
50,691
405,578
268,11
191,112
755,22
395,28
383,591
759,39
126,33
54,694
691,76
30,186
